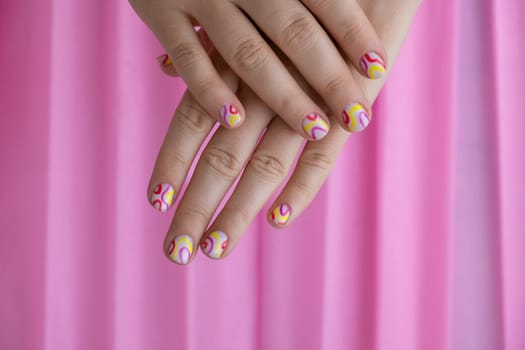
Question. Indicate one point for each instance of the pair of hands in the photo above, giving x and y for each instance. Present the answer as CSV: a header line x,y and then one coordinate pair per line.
x,y
261,87
296,28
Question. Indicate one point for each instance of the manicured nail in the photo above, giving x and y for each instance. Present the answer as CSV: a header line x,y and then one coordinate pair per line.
x,y
373,65
281,214
180,249
165,60
230,115
315,126
162,197
355,117
215,244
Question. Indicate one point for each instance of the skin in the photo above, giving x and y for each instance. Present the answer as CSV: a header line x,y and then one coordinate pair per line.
x,y
292,26
265,164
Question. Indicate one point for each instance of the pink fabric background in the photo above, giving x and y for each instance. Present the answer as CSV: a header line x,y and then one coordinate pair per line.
x,y
424,250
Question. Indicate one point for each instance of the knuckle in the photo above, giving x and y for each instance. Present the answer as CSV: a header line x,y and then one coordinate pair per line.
x,y
303,189
316,161
173,160
192,117
352,31
317,5
268,167
238,215
249,54
335,84
206,87
185,55
222,161
194,211
299,33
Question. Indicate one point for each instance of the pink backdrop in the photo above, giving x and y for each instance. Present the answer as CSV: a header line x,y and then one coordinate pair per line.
x,y
426,251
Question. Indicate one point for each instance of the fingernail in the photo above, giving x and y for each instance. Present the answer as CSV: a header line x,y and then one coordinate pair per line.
x,y
215,244
281,214
315,126
165,60
162,197
180,249
373,65
355,117
230,115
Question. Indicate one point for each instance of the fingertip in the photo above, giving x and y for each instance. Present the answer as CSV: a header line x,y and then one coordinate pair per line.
x,y
373,65
355,117
166,65
280,214
231,116
215,244
315,126
179,249
161,198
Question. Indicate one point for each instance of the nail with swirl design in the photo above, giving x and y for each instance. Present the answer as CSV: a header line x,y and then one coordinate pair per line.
x,y
281,214
162,197
355,117
180,249
230,115
315,126
165,60
215,244
373,66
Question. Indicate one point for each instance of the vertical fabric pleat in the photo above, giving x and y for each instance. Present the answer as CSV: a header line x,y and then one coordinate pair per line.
x,y
508,26
80,240
24,145
415,242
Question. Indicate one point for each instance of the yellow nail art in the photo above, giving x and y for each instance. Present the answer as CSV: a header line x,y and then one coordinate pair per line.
x,y
180,249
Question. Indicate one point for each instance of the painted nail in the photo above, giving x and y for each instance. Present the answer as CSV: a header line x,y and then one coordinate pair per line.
x,y
180,249
373,65
315,126
281,214
230,115
215,244
355,117
162,197
165,60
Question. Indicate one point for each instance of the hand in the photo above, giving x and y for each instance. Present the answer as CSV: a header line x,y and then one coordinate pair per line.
x,y
268,162
291,25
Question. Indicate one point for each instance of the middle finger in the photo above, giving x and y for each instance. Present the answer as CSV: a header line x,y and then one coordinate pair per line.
x,y
216,171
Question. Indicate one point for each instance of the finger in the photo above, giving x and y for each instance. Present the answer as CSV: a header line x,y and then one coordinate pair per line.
x,y
298,34
313,167
192,63
346,21
166,64
267,169
256,64
188,128
220,164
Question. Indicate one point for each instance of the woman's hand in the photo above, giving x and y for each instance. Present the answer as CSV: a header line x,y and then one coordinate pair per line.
x,y
266,163
296,28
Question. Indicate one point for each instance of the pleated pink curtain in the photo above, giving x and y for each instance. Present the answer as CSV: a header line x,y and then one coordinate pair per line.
x,y
415,242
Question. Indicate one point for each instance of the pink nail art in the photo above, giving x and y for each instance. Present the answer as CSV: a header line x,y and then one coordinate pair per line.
x,y
355,117
180,249
215,244
162,197
315,126
230,115
373,65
